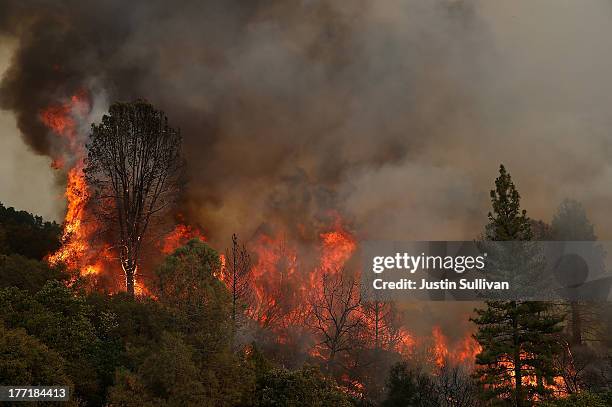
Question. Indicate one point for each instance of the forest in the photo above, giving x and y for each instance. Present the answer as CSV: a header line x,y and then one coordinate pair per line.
x,y
185,342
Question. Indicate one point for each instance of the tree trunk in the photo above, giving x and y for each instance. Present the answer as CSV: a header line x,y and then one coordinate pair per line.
x,y
518,376
576,324
129,269
234,276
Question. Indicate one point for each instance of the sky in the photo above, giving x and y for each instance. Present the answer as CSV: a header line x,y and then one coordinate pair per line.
x,y
27,182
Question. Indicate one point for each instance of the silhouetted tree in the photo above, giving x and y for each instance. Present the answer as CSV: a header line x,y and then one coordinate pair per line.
x,y
409,386
517,337
335,315
236,273
134,166
583,366
570,223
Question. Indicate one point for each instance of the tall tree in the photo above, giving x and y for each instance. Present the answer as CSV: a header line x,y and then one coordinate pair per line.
x,y
237,269
517,337
134,166
583,362
570,223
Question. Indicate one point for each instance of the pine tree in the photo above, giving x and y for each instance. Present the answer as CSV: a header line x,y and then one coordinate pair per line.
x,y
571,223
517,337
507,222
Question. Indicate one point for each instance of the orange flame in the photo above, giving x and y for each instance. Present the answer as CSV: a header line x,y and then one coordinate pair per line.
x,y
462,352
272,274
529,378
180,235
338,245
282,284
406,343
78,232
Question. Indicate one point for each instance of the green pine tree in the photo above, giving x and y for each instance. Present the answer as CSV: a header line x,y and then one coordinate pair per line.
x,y
571,224
518,338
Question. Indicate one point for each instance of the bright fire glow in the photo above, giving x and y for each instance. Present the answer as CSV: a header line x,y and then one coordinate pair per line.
x,y
462,352
78,229
180,235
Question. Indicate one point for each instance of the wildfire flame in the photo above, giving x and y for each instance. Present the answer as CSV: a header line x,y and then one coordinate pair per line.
x,y
462,352
78,231
338,245
530,379
180,235
279,286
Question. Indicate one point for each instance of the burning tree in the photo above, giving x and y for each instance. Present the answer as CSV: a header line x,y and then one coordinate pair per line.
x,y
517,337
335,315
134,167
236,273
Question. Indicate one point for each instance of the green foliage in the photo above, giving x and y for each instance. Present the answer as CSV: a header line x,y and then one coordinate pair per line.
x,y
28,235
130,391
188,289
256,361
186,278
167,376
27,274
60,320
409,387
199,307
584,399
24,359
306,387
507,221
516,336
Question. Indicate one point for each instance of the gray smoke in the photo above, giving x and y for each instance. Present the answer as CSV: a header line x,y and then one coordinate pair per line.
x,y
395,114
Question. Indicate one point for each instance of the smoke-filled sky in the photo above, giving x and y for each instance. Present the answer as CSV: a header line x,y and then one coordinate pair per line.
x,y
394,113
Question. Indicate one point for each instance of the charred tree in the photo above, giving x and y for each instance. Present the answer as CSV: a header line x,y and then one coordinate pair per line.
x,y
381,320
134,166
335,315
237,270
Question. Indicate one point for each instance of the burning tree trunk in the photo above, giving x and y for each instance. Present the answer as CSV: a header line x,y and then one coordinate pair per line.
x,y
134,166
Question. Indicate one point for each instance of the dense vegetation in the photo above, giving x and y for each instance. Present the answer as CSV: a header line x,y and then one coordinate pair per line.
x,y
176,350
27,235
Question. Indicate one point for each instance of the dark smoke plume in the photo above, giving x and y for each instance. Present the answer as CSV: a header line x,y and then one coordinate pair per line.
x,y
395,114
282,104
